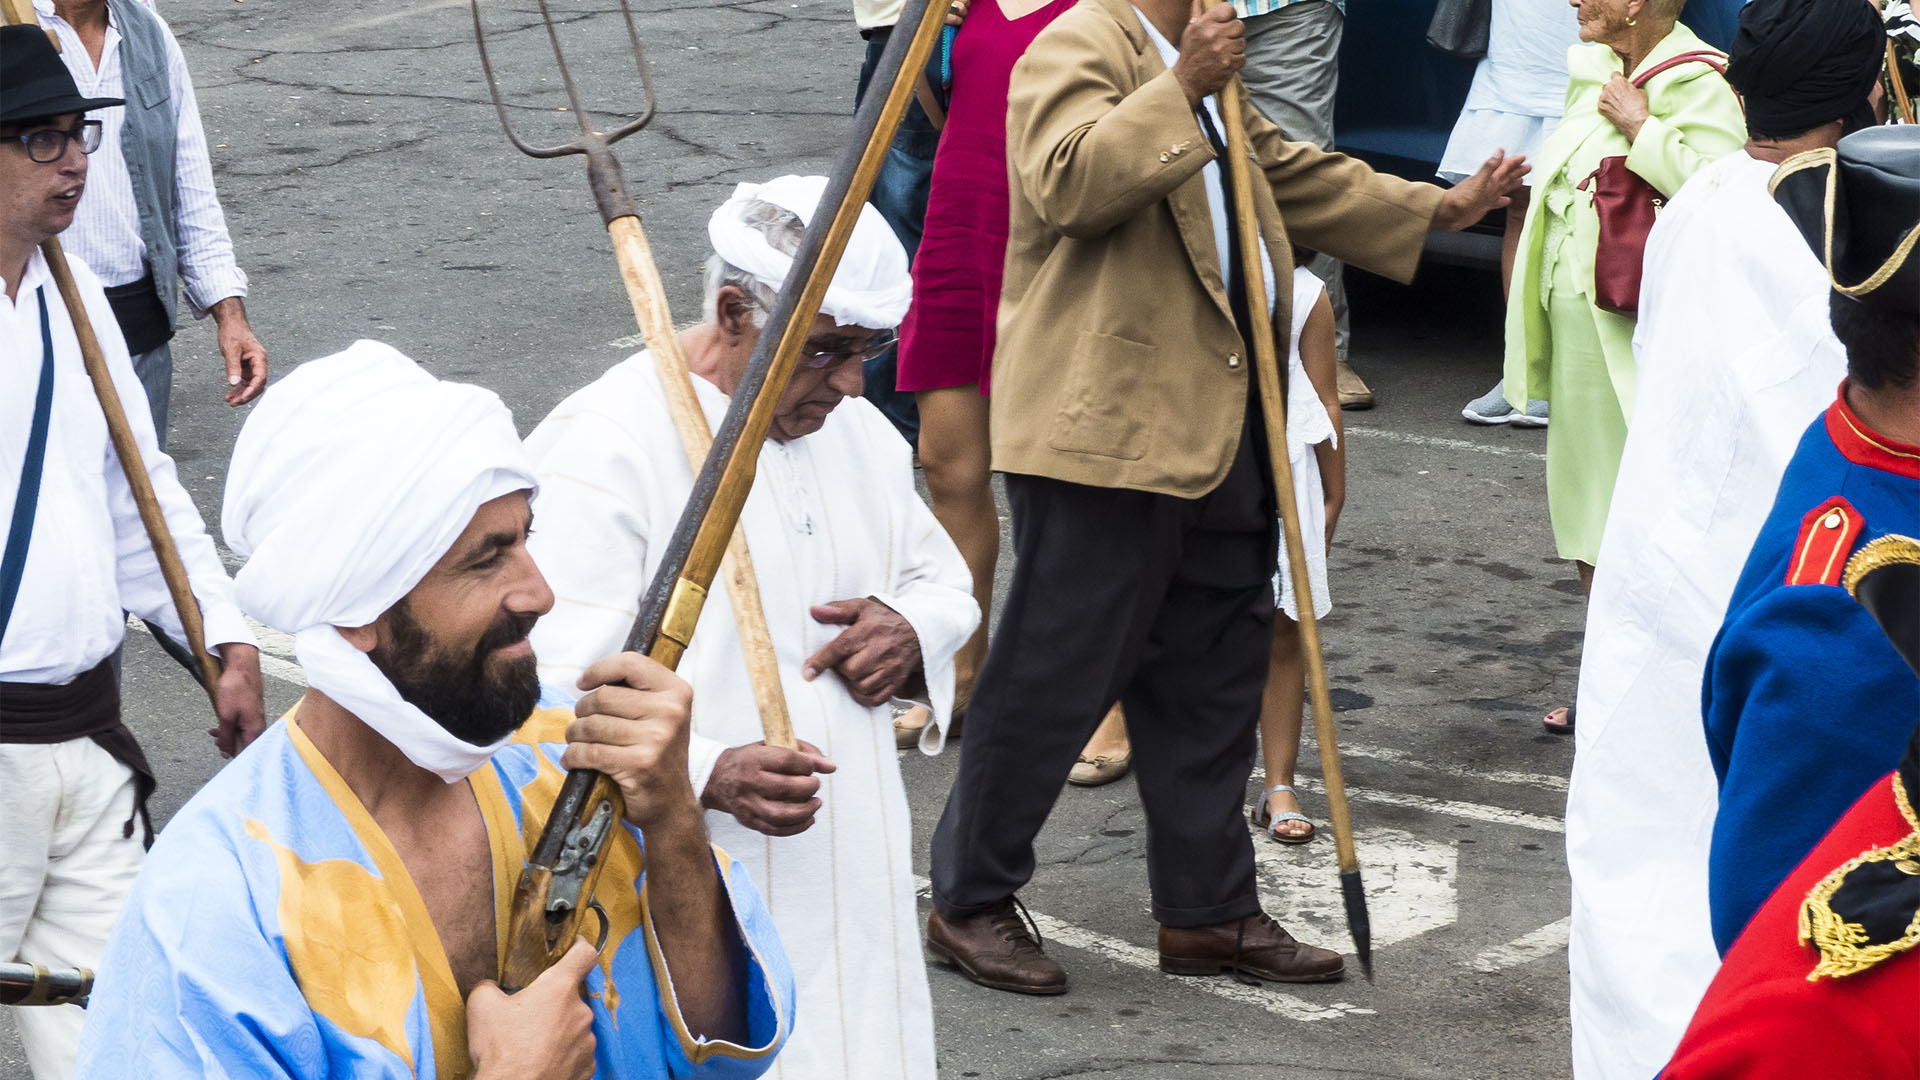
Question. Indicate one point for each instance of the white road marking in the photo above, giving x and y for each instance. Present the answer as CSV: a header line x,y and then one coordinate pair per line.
x,y
1442,444
285,670
276,651
1495,776
630,342
1410,881
1546,941
1496,815
1277,1002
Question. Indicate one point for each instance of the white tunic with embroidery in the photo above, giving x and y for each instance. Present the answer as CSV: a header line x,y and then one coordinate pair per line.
x,y
832,516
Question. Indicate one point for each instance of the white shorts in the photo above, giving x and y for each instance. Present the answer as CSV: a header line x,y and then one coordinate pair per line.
x,y
1479,132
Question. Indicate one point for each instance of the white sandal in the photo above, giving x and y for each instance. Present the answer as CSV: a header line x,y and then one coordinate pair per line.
x,y
1263,820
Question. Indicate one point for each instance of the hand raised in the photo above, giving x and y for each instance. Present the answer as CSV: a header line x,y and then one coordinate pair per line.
x,y
1212,48
1624,105
632,725
769,789
875,654
1482,193
544,1032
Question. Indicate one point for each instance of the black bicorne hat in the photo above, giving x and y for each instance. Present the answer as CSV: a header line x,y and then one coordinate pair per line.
x,y
34,83
1858,205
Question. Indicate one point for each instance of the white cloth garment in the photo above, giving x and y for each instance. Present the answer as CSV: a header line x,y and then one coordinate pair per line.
x,y
1210,172
90,558
351,478
106,227
1308,425
1519,88
66,864
1736,358
870,286
832,516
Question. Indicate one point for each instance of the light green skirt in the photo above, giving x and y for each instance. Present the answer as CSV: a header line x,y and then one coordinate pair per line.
x,y
1588,430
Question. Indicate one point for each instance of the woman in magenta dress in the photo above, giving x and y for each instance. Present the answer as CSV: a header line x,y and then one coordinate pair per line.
x,y
946,343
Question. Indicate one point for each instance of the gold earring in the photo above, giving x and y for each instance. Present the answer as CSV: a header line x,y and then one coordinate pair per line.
x,y
1631,21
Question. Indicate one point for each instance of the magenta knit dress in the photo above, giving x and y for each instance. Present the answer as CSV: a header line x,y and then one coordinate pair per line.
x,y
947,338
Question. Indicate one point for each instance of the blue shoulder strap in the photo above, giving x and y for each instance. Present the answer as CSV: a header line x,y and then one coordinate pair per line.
x,y
20,530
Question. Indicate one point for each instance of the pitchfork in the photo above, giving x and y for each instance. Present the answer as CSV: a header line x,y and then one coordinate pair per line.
x,y
649,299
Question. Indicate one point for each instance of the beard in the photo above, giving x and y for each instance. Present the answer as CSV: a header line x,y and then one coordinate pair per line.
x,y
475,698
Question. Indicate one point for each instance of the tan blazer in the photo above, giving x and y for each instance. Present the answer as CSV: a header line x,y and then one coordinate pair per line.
x,y
1118,364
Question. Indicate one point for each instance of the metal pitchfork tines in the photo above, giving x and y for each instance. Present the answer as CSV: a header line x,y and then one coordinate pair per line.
x,y
604,174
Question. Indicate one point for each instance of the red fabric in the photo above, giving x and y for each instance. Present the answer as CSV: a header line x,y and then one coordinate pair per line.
x,y
1820,553
1762,1020
1862,445
947,338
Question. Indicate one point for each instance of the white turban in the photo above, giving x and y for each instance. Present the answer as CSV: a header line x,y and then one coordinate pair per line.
x,y
870,287
352,477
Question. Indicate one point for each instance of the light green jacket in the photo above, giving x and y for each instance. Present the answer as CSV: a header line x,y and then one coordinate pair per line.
x,y
1694,120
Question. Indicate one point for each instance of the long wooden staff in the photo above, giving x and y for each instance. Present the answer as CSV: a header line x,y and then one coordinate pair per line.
x,y
556,889
128,451
1273,406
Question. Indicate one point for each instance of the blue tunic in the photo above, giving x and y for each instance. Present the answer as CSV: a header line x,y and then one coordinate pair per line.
x,y
274,932
1806,702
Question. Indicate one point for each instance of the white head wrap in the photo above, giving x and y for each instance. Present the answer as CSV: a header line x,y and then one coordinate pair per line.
x,y
352,477
870,287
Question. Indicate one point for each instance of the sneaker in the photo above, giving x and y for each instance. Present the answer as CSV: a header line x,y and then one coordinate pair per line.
x,y
1491,407
1535,416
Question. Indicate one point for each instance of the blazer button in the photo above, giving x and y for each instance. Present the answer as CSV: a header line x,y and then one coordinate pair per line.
x,y
1233,360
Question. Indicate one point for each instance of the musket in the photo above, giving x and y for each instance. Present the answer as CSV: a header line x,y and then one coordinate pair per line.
x,y
1273,407
172,570
556,889
34,984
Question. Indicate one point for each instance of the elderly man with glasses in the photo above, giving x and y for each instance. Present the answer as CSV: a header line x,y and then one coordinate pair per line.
x,y
73,555
864,596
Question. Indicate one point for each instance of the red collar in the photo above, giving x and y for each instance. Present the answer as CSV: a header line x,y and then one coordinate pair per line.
x,y
1862,445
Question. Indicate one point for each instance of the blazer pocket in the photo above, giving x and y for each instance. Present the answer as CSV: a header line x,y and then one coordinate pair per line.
x,y
152,91
1098,410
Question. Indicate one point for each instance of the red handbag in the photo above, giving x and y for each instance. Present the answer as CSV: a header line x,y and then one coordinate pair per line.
x,y
1627,206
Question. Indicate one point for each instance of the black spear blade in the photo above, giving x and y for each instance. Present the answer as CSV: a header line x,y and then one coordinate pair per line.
x,y
1356,897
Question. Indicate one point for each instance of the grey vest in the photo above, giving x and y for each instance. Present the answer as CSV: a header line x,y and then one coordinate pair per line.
x,y
148,140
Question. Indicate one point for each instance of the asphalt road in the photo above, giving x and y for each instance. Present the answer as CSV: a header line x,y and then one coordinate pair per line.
x,y
371,194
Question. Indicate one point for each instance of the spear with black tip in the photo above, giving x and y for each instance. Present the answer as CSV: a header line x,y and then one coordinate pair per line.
x,y
556,888
1273,407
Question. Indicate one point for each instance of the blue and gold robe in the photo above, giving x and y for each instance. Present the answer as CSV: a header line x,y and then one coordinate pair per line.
x,y
1806,702
274,933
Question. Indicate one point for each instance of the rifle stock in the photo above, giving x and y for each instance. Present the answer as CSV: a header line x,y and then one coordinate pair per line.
x,y
555,890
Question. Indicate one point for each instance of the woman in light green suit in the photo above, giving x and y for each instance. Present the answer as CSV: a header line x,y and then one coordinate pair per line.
x,y
1560,348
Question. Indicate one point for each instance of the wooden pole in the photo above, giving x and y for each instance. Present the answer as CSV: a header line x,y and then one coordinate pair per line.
x,y
641,275
124,447
1273,406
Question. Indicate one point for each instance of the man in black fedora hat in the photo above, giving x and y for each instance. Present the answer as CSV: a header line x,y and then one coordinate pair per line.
x,y
73,557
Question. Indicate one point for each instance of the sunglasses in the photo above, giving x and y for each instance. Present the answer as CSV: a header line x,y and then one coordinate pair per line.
x,y
46,146
816,358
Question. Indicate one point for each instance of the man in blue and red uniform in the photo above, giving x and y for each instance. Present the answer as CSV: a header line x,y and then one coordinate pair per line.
x,y
1806,702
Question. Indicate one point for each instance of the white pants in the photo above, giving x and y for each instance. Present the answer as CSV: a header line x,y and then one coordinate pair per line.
x,y
65,869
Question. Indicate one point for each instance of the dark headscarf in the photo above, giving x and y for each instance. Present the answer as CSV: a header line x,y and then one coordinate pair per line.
x,y
1798,64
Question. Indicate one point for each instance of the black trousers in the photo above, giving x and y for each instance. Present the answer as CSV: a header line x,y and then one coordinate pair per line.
x,y
1161,603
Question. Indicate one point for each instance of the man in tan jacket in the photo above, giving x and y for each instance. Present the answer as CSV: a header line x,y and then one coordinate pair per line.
x,y
1143,515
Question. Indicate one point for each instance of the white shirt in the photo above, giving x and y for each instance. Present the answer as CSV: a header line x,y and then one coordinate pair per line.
x,y
106,228
1735,358
89,558
1210,172
832,516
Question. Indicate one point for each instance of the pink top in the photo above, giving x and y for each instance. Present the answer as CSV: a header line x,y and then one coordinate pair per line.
x,y
947,338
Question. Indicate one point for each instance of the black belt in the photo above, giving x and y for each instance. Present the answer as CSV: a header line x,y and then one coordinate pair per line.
x,y
86,708
143,319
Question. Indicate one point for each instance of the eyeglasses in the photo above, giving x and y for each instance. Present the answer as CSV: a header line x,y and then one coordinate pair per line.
x,y
871,349
47,145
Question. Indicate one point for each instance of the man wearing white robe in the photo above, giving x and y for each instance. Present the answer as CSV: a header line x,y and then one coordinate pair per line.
x,y
1736,356
861,588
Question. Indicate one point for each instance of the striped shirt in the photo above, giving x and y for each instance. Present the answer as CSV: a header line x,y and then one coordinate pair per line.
x,y
106,227
1247,9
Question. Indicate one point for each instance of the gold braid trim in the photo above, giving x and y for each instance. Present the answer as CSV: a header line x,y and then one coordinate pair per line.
x,y
1842,945
1889,550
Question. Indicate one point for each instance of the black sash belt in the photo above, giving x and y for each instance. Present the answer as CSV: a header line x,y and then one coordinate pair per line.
x,y
86,708
142,317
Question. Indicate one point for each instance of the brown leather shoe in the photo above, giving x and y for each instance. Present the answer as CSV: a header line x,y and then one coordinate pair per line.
x,y
1254,946
997,948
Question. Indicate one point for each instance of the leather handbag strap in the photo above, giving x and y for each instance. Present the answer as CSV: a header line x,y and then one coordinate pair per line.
x,y
1714,60
13,563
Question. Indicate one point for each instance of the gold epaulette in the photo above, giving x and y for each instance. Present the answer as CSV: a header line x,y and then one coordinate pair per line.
x,y
1846,947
